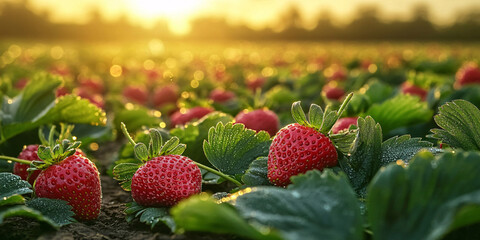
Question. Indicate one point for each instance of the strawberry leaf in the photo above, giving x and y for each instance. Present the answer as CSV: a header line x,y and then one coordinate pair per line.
x,y
149,215
364,159
315,116
368,154
400,111
403,148
58,211
201,213
73,109
427,199
124,172
344,141
298,114
232,147
193,135
37,106
11,189
316,206
459,121
256,173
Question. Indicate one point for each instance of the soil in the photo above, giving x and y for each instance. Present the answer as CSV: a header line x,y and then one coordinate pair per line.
x,y
111,223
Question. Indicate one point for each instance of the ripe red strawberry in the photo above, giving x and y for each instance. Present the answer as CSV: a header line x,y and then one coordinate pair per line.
x,y
468,74
303,146
28,153
260,119
297,149
332,91
94,98
136,94
92,85
343,124
255,83
179,118
165,95
21,83
165,180
166,177
221,96
410,89
338,75
61,91
75,180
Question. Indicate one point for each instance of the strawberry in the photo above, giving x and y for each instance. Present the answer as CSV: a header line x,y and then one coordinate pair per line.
x,y
344,124
61,91
304,145
179,118
136,94
255,83
28,153
332,91
21,83
165,180
260,119
92,85
76,180
411,89
221,96
165,177
94,98
65,173
468,74
165,95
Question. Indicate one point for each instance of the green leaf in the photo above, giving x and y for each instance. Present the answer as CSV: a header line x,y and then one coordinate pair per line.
x,y
315,206
404,148
364,159
124,172
256,173
329,119
232,147
344,141
400,111
298,114
11,186
12,200
202,213
315,115
156,142
459,121
32,103
68,109
150,215
58,211
73,109
141,152
193,135
427,199
169,146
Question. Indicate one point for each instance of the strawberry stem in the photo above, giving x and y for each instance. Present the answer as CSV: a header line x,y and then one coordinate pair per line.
x,y
239,184
14,159
127,135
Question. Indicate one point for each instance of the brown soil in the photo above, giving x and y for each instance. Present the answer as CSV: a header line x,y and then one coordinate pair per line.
x,y
111,223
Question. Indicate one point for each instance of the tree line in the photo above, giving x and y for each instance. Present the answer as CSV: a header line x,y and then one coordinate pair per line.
x,y
17,21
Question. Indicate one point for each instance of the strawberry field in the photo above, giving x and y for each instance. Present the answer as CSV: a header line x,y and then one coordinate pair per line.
x,y
239,140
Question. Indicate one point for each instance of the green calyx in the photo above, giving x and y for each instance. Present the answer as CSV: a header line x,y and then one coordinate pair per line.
x,y
54,154
156,147
319,119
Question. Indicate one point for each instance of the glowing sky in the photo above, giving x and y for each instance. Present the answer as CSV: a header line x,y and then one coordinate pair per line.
x,y
256,13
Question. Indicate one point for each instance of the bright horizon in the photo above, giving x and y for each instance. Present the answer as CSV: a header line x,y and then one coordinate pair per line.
x,y
255,13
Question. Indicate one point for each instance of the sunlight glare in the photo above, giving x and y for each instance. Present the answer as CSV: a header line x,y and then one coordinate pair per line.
x,y
177,12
